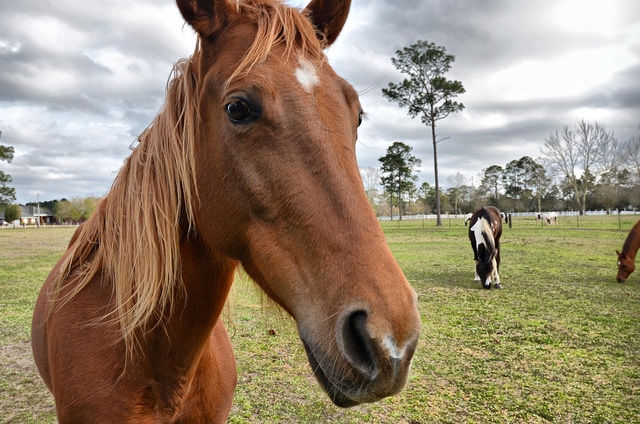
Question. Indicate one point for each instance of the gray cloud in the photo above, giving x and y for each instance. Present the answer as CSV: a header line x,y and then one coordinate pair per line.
x,y
80,80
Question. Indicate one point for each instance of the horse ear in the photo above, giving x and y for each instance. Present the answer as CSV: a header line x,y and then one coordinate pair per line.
x,y
329,16
205,16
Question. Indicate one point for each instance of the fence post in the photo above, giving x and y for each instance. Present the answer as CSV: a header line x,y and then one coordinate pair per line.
x,y
619,224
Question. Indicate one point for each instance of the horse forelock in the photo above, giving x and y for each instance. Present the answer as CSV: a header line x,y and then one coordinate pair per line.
x,y
277,25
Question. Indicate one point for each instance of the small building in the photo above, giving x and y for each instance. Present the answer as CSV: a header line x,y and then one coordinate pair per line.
x,y
31,215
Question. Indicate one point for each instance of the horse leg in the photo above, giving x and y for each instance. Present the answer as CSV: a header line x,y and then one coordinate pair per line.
x,y
487,283
476,279
495,276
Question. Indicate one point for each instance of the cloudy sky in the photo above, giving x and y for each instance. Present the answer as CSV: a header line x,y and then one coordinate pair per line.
x,y
79,80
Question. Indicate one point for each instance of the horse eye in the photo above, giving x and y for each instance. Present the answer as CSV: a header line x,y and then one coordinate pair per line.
x,y
238,110
360,117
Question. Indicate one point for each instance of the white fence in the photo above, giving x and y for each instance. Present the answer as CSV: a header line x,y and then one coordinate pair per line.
x,y
560,214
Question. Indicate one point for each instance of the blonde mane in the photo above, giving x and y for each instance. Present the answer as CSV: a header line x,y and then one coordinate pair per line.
x,y
133,238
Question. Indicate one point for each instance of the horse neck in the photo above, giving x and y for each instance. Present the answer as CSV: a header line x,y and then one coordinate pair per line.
x,y
632,243
195,308
207,278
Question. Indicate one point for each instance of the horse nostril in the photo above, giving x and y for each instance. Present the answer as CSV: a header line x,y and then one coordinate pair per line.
x,y
358,345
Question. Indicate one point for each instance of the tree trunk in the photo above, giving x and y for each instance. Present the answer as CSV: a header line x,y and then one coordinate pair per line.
x,y
578,195
583,204
435,171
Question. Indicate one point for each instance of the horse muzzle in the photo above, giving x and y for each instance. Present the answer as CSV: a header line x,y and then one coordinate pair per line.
x,y
363,368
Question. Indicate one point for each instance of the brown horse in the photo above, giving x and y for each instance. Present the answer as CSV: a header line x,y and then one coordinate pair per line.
x,y
251,161
627,258
485,229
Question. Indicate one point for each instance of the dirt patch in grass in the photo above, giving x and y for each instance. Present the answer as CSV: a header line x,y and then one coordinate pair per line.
x,y
24,397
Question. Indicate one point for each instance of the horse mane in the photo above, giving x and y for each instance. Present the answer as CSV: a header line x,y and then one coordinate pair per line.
x,y
133,237
487,232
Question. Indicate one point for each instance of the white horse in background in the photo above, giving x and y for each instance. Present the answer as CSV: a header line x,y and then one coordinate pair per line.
x,y
550,217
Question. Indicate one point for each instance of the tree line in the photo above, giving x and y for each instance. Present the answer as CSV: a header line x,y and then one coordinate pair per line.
x,y
7,193
76,210
64,211
581,168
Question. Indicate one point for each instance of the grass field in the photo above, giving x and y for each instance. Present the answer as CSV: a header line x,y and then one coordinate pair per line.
x,y
560,343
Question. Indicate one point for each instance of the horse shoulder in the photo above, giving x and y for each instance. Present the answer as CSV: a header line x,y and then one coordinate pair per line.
x,y
39,333
86,365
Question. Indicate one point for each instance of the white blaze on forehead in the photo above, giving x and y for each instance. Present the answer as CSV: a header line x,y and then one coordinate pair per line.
x,y
307,75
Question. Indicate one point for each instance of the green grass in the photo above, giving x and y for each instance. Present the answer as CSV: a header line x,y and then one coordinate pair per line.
x,y
560,343
26,258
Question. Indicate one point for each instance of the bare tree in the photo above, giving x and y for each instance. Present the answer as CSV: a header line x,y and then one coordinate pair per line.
x,y
577,155
370,177
631,153
456,182
611,155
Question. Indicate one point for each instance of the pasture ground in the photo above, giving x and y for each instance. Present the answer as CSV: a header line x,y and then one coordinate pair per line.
x,y
560,343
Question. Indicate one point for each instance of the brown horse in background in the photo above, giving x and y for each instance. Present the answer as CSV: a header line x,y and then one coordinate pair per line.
x,y
250,162
627,258
485,229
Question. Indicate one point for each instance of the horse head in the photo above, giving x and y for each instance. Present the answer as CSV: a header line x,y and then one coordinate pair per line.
x,y
625,267
485,264
278,189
